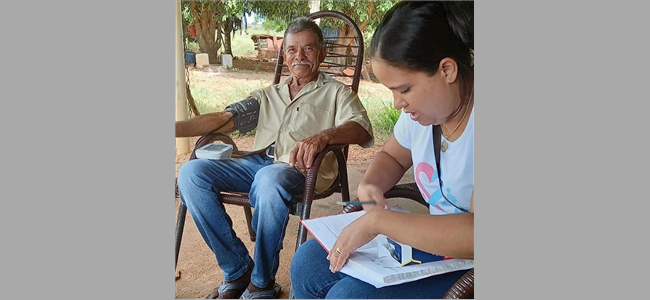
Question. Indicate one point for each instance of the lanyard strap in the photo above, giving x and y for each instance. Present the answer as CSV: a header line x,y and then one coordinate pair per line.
x,y
436,149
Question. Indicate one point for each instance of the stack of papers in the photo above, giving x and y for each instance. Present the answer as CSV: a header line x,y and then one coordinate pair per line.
x,y
371,263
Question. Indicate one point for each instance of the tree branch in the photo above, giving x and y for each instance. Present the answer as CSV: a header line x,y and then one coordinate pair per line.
x,y
371,9
195,13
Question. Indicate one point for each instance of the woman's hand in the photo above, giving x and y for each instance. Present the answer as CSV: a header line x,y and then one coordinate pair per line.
x,y
355,235
367,192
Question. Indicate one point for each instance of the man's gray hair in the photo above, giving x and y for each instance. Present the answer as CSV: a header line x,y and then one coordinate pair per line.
x,y
303,24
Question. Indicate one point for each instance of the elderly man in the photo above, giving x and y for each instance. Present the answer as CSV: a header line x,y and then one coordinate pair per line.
x,y
297,119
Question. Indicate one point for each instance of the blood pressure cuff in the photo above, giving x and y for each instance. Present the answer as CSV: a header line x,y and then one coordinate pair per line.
x,y
246,113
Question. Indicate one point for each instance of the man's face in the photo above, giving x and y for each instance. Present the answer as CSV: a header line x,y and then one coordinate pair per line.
x,y
302,54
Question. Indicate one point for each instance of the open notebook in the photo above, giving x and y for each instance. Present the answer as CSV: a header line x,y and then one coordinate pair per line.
x,y
366,263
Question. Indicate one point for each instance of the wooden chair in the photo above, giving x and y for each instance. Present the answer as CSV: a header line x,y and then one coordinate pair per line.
x,y
464,287
300,205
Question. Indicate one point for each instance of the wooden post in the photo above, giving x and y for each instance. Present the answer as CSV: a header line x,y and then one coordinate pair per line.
x,y
182,144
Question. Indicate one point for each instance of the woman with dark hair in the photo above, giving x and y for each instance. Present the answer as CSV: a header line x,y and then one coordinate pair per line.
x,y
423,52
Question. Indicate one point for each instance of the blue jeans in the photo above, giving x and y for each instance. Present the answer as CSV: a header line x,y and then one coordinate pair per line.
x,y
312,279
270,187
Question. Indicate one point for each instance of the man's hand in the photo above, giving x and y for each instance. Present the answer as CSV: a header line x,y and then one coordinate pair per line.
x,y
302,155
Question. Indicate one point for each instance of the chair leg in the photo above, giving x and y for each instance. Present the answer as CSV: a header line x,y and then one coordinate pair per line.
x,y
249,220
302,235
343,173
180,225
302,231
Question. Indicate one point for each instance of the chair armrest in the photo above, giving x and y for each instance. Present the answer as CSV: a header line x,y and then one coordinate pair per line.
x,y
406,190
312,172
318,159
463,288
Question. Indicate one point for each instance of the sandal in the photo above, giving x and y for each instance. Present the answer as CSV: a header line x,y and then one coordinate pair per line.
x,y
265,294
237,287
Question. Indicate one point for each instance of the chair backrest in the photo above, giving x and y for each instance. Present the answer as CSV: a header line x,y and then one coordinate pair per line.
x,y
347,70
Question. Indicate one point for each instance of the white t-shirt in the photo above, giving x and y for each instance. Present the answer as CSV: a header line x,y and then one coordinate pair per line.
x,y
456,164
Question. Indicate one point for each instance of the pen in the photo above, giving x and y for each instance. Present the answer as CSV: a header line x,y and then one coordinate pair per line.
x,y
356,202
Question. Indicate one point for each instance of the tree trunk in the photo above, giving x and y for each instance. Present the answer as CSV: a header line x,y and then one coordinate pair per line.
x,y
205,25
346,31
227,28
219,36
245,19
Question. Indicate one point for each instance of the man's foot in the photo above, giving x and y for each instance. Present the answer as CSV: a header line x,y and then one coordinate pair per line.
x,y
270,292
232,289
253,288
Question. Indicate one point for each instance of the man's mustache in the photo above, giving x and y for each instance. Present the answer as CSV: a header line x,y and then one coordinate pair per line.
x,y
295,63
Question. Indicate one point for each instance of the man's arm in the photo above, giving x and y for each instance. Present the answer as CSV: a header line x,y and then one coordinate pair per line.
x,y
350,132
305,151
203,124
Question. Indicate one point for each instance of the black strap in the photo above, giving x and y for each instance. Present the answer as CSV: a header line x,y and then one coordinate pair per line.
x,y
436,147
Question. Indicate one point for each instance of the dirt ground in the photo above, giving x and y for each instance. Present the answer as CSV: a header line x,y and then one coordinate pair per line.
x,y
249,63
197,266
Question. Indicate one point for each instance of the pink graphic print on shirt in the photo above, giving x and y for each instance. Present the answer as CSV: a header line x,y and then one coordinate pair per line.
x,y
436,198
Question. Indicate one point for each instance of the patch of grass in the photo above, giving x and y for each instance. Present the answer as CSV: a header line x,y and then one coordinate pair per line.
x,y
384,122
378,102
382,116
206,100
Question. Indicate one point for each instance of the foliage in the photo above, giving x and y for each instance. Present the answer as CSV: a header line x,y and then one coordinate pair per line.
x,y
274,25
187,14
278,14
223,13
367,14
193,47
385,119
